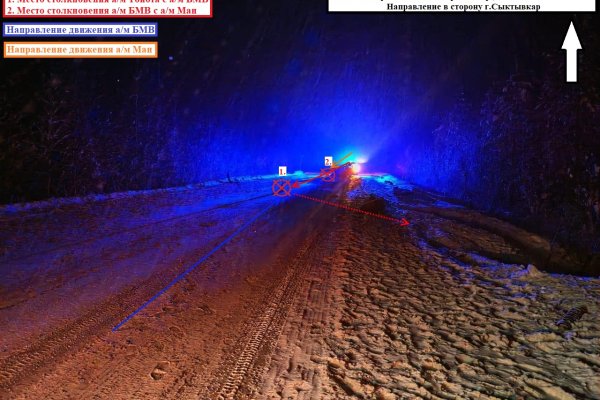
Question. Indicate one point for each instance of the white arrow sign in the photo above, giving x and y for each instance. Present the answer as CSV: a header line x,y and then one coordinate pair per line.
x,y
571,45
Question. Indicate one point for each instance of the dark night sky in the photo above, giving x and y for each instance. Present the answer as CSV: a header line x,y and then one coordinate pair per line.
x,y
273,46
244,42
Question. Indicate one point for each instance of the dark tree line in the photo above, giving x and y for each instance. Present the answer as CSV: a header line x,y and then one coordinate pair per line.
x,y
57,140
529,151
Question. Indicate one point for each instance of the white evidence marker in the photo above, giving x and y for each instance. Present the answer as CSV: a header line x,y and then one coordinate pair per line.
x,y
282,171
328,161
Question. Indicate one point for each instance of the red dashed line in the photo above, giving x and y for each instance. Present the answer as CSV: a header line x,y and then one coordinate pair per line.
x,y
403,221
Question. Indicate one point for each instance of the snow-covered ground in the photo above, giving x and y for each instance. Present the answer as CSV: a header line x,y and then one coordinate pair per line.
x,y
308,301
420,313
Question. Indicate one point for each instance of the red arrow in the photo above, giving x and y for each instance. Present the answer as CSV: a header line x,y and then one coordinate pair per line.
x,y
403,221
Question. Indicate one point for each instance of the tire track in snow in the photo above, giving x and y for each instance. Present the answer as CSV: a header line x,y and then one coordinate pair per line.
x,y
244,376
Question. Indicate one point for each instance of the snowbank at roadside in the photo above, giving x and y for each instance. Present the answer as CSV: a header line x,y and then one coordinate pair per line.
x,y
11,209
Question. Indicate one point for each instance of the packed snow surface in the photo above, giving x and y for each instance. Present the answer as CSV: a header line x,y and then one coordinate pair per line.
x,y
310,302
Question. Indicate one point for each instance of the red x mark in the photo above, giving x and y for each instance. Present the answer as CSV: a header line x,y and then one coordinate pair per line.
x,y
282,188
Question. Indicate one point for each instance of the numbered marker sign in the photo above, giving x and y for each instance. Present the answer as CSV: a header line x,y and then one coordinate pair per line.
x,y
282,171
328,161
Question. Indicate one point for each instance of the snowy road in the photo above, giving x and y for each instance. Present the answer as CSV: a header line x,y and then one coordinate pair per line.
x,y
308,301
